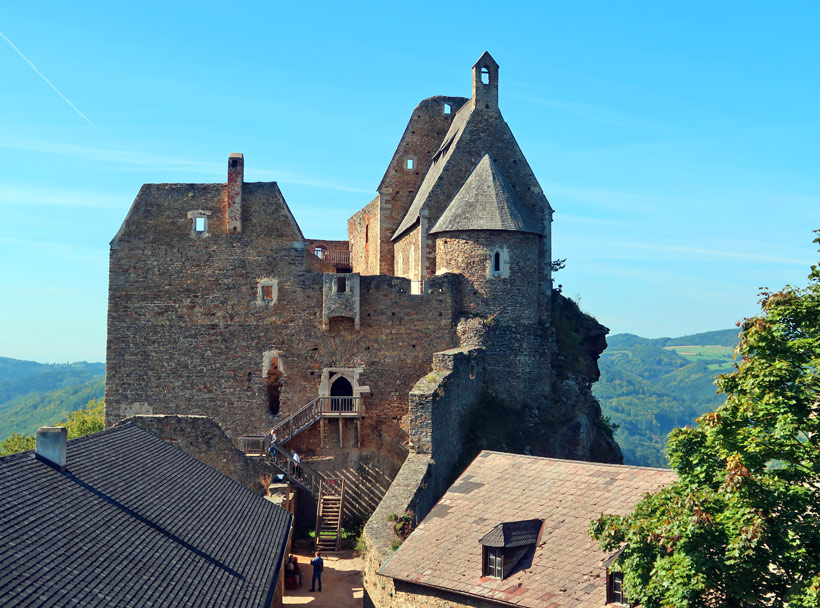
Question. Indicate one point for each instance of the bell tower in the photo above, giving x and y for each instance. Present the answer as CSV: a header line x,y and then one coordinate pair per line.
x,y
485,83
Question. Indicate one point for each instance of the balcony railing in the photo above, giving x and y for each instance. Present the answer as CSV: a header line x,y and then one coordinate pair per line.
x,y
336,258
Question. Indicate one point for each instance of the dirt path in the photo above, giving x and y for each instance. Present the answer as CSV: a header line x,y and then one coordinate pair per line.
x,y
341,582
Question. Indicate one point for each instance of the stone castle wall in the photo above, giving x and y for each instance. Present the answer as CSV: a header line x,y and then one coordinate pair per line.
x,y
509,296
189,332
421,138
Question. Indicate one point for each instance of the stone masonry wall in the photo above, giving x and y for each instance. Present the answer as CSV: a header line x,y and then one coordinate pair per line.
x,y
188,333
362,233
204,439
402,254
438,404
510,296
421,138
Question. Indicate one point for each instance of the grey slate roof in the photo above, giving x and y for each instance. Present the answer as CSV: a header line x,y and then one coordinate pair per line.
x,y
513,534
134,521
486,201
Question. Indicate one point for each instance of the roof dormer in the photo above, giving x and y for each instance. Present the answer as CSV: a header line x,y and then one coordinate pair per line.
x,y
504,547
485,83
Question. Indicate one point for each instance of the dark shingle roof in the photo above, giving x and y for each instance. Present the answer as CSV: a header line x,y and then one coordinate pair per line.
x,y
567,567
486,201
513,534
134,521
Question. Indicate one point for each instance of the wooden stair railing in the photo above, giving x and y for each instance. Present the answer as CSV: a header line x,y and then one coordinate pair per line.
x,y
306,478
327,407
329,515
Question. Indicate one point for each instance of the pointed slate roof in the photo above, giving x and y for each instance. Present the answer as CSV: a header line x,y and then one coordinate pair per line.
x,y
486,201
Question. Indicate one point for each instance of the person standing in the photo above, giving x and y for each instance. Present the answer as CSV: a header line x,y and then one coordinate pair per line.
x,y
318,565
297,465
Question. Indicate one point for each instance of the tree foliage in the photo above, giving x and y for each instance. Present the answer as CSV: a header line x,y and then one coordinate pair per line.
x,y
740,528
88,419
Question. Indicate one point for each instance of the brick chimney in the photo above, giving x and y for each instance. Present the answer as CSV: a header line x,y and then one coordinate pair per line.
x,y
50,446
236,177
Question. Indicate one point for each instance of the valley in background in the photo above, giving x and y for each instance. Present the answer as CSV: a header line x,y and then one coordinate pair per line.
x,y
647,388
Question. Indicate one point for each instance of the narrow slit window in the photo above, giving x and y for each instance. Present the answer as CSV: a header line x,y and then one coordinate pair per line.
x,y
199,224
366,233
341,284
485,75
497,261
448,109
411,163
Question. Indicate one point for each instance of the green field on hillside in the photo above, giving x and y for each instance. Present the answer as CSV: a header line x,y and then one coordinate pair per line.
x,y
650,386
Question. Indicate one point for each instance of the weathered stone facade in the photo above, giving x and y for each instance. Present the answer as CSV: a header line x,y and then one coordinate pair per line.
x,y
220,307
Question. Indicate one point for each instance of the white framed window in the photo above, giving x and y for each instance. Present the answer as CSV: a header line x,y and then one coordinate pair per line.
x,y
410,164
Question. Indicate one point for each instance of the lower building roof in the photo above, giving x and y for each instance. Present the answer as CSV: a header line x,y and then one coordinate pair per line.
x,y
567,567
134,521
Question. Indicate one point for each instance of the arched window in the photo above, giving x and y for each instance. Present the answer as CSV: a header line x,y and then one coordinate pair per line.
x,y
497,261
485,75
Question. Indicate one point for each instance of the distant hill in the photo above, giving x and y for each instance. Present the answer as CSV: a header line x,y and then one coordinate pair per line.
x,y
33,394
650,386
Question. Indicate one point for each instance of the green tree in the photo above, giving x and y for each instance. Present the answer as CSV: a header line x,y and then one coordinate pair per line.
x,y
88,419
740,527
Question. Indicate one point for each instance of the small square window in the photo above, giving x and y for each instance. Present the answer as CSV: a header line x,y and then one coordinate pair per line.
x,y
267,293
448,109
200,224
411,163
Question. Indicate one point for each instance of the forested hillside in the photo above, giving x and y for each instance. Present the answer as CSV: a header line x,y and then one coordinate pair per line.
x,y
33,394
650,386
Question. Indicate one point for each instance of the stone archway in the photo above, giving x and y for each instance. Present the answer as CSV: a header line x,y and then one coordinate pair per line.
x,y
340,386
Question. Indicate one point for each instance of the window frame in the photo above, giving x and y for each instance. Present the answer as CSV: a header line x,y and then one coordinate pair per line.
x,y
493,562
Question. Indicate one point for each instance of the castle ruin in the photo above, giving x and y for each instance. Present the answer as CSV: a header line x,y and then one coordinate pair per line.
x,y
440,303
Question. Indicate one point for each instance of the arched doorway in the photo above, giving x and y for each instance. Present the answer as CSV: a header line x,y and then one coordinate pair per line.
x,y
341,387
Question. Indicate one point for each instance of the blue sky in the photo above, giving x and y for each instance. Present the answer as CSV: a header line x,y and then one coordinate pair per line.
x,y
677,142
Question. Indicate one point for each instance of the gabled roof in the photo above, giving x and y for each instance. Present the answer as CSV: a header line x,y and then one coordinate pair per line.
x,y
134,521
486,59
513,534
486,201
440,160
567,567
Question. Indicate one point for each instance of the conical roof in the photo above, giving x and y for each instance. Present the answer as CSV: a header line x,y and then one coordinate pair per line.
x,y
486,201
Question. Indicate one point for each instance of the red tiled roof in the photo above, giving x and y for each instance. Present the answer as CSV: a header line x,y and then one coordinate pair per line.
x,y
567,568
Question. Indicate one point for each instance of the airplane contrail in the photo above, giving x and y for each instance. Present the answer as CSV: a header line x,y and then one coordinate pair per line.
x,y
48,82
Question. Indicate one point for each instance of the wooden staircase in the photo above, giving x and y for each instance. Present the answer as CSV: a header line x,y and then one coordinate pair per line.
x,y
329,515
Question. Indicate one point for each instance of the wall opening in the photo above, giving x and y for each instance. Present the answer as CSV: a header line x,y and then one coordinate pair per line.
x,y
341,387
341,284
319,252
273,387
497,261
366,233
448,109
200,224
411,163
267,293
485,75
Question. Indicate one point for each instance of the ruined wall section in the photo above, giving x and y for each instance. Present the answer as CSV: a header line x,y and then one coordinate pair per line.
x,y
362,233
428,123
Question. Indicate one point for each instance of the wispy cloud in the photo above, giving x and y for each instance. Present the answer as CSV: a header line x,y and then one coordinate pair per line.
x,y
34,196
714,253
159,162
48,82
597,113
